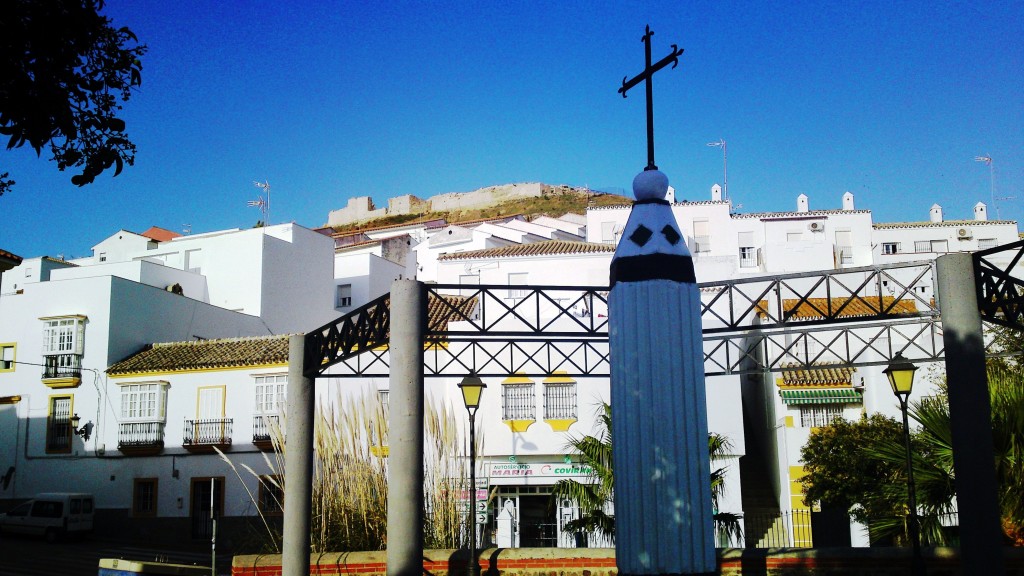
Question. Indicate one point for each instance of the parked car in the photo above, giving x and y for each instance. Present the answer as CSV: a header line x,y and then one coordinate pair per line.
x,y
52,515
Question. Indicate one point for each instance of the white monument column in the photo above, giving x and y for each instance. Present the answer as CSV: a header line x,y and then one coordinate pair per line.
x,y
663,513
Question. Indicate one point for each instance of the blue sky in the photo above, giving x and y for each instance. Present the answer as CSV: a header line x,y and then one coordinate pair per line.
x,y
332,100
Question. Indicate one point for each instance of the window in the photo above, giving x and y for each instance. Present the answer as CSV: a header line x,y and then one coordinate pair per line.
x,y
517,279
748,257
270,393
819,415
63,335
103,256
701,236
844,246
271,496
518,400
986,243
144,492
931,246
560,401
63,345
748,254
143,416
58,425
890,247
143,401
344,296
7,357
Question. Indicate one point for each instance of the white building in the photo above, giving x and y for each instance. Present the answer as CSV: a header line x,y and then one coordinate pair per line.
x,y
189,325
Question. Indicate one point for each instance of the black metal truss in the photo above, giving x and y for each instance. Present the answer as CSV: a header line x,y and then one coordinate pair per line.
x,y
844,318
1001,286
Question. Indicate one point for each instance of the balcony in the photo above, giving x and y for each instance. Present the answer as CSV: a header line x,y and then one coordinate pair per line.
x,y
140,438
201,436
62,370
264,428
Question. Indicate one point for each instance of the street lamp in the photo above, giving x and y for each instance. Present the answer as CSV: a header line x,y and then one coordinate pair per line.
x,y
901,377
472,386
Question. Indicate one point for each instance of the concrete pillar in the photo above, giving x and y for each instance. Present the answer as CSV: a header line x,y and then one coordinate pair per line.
x,y
981,544
298,466
405,429
663,511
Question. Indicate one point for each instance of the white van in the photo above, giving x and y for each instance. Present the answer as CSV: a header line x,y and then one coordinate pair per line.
x,y
52,515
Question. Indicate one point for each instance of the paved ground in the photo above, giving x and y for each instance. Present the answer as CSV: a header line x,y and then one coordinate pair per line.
x,y
23,556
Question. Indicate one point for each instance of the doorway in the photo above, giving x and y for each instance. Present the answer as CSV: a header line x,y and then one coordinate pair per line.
x,y
207,493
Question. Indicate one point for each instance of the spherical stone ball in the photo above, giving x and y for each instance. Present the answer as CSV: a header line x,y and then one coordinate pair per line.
x,y
650,185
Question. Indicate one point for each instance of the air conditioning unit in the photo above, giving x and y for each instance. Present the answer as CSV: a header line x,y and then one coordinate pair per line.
x,y
963,233
816,226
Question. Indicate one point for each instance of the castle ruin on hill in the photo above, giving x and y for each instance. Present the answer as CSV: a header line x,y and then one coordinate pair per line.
x,y
361,208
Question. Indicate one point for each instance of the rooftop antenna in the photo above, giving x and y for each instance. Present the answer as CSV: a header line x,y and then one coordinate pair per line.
x,y
186,229
725,165
987,159
264,204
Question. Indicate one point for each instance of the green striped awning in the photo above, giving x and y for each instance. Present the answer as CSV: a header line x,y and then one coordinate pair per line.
x,y
824,396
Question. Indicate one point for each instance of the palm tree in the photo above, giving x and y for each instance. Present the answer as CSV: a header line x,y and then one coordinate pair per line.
x,y
596,497
934,477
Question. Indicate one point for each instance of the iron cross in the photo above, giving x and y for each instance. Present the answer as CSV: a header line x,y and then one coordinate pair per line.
x,y
645,76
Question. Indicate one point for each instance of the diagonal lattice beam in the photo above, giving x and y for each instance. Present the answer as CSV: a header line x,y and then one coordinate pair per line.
x,y
851,317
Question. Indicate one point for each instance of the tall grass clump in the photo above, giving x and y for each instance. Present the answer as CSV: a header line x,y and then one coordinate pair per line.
x,y
349,507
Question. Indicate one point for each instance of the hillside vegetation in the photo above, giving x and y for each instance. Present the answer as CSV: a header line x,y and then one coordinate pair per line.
x,y
554,204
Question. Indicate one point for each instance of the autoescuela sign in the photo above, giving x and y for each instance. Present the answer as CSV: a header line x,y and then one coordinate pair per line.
x,y
538,469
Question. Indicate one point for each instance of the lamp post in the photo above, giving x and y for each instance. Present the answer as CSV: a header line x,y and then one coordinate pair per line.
x,y
901,377
472,386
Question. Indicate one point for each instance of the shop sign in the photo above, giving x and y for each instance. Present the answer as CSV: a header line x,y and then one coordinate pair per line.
x,y
539,469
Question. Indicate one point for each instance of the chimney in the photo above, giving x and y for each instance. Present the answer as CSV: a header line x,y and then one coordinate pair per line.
x,y
980,211
935,214
671,195
848,201
716,193
801,203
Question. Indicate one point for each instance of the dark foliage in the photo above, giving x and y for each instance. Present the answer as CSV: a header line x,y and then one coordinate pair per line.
x,y
64,71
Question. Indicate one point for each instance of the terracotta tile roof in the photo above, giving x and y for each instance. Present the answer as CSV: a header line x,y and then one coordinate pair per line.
x,y
441,310
160,234
205,354
943,224
544,248
627,203
504,218
10,256
808,214
822,375
817,308
426,223
59,261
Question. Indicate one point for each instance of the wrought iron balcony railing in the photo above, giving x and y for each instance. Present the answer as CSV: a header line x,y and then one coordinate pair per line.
x,y
138,434
265,427
207,432
62,366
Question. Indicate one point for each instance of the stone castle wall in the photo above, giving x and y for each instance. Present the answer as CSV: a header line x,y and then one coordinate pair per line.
x,y
361,209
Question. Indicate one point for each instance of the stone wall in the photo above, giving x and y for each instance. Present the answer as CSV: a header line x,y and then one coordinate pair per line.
x,y
361,209
601,562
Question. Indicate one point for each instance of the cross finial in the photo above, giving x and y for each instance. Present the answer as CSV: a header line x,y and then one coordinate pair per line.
x,y
646,76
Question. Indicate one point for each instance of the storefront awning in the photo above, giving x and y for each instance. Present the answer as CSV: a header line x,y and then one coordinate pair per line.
x,y
824,396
